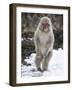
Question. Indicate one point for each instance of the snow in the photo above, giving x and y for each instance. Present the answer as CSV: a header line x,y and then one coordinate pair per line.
x,y
56,66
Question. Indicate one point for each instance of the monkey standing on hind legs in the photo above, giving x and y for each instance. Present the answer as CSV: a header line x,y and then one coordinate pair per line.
x,y
44,41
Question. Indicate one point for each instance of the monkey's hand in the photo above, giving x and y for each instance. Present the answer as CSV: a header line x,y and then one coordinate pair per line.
x,y
46,53
49,46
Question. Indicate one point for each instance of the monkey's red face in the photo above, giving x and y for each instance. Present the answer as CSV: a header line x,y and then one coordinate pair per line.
x,y
45,25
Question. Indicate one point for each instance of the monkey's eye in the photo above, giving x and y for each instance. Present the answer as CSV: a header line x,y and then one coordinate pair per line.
x,y
45,24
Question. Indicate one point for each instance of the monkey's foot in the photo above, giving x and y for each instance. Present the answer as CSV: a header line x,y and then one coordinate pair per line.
x,y
39,69
44,70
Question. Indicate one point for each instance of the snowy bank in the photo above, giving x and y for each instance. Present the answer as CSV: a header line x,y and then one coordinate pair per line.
x,y
56,66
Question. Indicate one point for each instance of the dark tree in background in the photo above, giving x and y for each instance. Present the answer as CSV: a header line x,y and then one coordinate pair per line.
x,y
29,22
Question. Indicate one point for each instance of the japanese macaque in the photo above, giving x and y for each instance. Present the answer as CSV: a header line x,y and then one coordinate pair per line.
x,y
44,41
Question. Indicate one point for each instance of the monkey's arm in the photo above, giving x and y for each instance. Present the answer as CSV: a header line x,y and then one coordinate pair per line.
x,y
36,42
49,45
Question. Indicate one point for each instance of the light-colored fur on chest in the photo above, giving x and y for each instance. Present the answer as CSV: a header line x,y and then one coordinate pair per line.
x,y
43,37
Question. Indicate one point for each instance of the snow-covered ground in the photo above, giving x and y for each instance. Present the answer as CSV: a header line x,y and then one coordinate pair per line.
x,y
56,66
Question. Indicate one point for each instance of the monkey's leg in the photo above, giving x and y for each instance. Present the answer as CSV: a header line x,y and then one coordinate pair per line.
x,y
46,61
38,62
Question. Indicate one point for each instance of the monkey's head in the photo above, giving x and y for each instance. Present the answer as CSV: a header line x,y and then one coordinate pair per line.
x,y
45,24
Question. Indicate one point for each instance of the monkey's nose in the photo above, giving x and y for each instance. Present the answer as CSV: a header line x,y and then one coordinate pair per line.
x,y
45,25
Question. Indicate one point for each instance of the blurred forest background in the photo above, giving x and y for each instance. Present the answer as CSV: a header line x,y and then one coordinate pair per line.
x,y
29,22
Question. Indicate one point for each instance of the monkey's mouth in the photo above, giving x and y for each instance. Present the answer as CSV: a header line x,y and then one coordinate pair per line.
x,y
46,29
